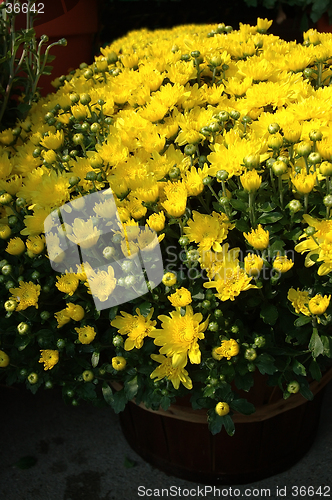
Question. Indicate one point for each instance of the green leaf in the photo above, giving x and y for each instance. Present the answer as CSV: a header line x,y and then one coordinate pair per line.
x,y
119,401
315,344
269,314
305,389
315,370
242,406
298,368
113,312
238,205
165,402
269,218
268,206
107,393
327,343
228,424
302,320
241,225
145,308
244,382
215,422
26,462
265,364
131,388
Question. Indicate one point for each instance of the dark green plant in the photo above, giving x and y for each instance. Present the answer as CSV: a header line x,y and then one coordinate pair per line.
x,y
22,61
315,8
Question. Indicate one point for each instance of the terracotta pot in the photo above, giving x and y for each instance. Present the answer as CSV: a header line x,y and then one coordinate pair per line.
x,y
268,442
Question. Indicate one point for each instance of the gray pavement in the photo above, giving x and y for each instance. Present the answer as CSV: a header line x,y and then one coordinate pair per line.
x,y
79,453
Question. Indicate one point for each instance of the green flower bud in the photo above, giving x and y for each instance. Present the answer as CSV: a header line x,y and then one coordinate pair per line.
x,y
314,158
315,135
23,328
190,149
85,99
294,206
234,114
325,168
273,128
328,200
279,168
222,175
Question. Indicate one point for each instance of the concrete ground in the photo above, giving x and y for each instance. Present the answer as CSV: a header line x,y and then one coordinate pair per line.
x,y
51,451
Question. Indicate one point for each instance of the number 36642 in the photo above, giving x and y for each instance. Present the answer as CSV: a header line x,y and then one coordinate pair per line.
x,y
17,8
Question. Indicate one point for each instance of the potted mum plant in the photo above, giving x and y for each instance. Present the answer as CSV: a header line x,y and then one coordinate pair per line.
x,y
210,149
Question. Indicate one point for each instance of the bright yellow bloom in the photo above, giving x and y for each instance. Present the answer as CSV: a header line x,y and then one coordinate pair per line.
x,y
84,233
86,334
174,374
318,304
208,230
176,198
179,336
258,238
169,279
299,301
251,181
228,349
303,182
119,363
75,311
100,283
181,298
263,24
137,327
5,231
62,317
26,295
4,359
36,244
15,246
49,156
194,182
53,141
156,221
282,264
222,409
253,264
67,283
49,357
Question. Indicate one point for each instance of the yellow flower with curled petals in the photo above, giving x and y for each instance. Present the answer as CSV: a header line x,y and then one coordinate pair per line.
x,y
166,370
318,304
15,246
181,298
258,238
49,357
86,334
282,264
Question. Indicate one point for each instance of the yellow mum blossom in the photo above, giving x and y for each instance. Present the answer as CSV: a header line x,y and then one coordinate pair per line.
x,y
181,298
137,327
49,156
208,230
258,238
100,283
49,357
156,221
6,166
53,141
5,231
67,283
251,181
35,223
26,295
263,24
194,181
36,244
222,409
176,198
318,304
299,301
86,334
62,317
282,264
303,182
176,375
84,233
228,349
119,363
179,335
75,311
15,246
253,264
169,279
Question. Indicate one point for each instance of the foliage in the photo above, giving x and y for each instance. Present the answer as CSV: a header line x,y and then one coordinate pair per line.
x,y
22,61
220,142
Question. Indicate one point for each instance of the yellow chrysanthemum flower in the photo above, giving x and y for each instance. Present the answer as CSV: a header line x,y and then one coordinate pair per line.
x,y
176,198
303,182
169,279
100,283
156,221
299,301
282,264
49,357
5,231
208,230
36,244
119,363
318,304
258,238
228,349
62,318
251,181
253,264
26,295
86,334
84,233
179,336
53,141
67,283
75,311
176,375
15,246
137,327
181,298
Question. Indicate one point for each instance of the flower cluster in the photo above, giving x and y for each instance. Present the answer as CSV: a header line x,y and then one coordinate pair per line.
x,y
216,146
